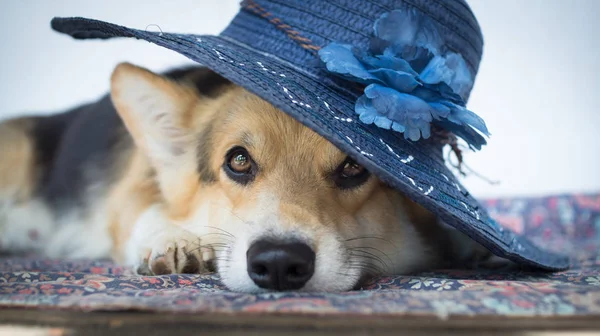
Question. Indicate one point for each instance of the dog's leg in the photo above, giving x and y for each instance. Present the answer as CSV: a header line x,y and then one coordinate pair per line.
x,y
143,237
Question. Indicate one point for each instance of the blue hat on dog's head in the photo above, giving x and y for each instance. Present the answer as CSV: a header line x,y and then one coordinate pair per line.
x,y
384,80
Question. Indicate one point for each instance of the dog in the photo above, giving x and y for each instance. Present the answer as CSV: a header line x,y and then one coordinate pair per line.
x,y
186,172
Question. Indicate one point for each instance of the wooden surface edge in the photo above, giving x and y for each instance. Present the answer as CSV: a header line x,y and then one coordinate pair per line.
x,y
132,323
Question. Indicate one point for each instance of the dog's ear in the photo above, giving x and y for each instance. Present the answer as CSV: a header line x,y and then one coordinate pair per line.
x,y
158,114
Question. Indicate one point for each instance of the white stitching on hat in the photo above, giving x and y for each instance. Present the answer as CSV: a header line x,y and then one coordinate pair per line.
x,y
292,97
360,150
265,69
428,191
408,158
221,57
412,181
474,213
333,113
219,54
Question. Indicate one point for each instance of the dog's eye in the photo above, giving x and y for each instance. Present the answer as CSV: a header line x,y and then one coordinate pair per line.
x,y
239,165
350,174
352,169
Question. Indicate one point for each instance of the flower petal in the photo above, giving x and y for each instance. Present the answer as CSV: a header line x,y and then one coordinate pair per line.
x,y
405,111
440,110
410,27
389,62
417,57
413,134
437,71
426,132
365,110
437,93
452,70
383,122
368,117
471,137
462,116
396,105
462,81
396,126
340,59
401,81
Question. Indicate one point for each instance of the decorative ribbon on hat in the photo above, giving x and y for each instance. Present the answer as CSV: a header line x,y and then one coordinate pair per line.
x,y
412,80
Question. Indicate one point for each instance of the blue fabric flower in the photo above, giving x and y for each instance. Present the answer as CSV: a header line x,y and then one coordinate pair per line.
x,y
411,80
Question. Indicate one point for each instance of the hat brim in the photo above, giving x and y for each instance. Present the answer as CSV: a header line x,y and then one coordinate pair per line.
x,y
415,169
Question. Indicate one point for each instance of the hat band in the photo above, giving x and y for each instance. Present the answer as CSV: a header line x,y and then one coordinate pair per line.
x,y
265,32
304,42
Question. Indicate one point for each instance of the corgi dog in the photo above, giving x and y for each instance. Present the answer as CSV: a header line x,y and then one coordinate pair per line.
x,y
185,172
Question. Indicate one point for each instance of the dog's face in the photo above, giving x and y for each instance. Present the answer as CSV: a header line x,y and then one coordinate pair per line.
x,y
281,207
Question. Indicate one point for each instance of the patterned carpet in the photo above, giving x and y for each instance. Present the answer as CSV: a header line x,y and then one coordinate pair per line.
x,y
568,223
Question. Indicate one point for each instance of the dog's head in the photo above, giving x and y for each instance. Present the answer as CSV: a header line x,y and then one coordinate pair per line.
x,y
281,207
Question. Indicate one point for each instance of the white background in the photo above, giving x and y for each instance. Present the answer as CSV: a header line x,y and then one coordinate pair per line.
x,y
538,86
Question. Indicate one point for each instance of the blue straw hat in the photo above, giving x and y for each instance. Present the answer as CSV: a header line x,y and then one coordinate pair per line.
x,y
386,81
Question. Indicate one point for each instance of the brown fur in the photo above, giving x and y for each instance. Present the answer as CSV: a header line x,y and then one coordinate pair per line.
x,y
18,164
138,190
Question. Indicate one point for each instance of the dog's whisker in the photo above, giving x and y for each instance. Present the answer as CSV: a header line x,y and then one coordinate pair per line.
x,y
217,234
215,244
370,237
222,230
370,260
224,247
363,248
354,262
373,257
365,269
237,216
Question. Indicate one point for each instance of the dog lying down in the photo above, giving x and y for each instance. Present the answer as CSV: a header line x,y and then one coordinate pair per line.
x,y
189,173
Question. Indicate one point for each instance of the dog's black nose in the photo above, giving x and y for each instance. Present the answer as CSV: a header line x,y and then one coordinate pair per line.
x,y
280,266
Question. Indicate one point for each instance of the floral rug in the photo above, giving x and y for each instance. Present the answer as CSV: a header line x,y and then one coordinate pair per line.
x,y
568,223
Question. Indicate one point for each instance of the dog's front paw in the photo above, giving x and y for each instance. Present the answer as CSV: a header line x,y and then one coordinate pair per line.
x,y
170,251
184,255
156,246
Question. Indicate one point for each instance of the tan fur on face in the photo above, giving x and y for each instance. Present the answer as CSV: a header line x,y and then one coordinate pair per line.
x,y
294,162
183,139
293,196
